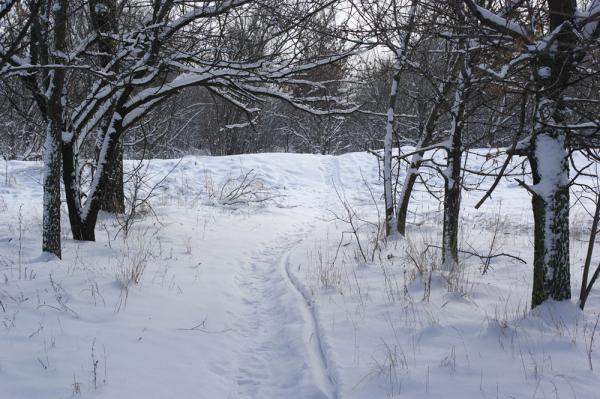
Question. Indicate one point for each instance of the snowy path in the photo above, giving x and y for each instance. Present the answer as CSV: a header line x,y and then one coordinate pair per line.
x,y
280,354
276,360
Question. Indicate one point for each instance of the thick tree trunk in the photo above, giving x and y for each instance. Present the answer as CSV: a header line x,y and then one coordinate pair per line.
x,y
108,156
113,196
83,217
104,20
549,161
80,230
550,202
83,231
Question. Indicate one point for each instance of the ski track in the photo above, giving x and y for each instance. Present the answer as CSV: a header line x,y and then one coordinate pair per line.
x,y
281,353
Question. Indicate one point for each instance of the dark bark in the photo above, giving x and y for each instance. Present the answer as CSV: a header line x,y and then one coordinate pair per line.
x,y
412,172
83,218
104,21
452,176
404,201
113,197
586,286
452,196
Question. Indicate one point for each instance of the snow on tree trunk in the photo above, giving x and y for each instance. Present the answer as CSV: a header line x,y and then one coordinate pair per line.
x,y
550,169
107,156
400,52
81,230
412,173
387,156
404,199
104,21
452,176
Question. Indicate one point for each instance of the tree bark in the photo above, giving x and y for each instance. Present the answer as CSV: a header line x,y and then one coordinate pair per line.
x,y
586,286
452,174
387,155
548,158
412,173
550,202
51,240
113,196
80,230
104,20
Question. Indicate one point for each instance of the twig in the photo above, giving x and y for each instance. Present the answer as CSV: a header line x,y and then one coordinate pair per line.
x,y
481,256
200,328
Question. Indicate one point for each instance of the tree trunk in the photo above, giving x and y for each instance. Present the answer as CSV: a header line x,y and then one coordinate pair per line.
x,y
452,175
452,196
80,230
426,137
550,202
104,20
51,240
113,195
413,170
403,201
586,286
108,156
549,160
387,156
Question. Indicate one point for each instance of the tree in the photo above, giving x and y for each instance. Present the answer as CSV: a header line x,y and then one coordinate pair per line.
x,y
392,23
126,60
547,44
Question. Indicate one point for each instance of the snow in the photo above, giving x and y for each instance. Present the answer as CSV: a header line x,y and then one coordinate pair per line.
x,y
502,22
544,72
265,301
551,155
101,8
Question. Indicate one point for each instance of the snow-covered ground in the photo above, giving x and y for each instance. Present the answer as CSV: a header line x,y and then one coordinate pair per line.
x,y
275,299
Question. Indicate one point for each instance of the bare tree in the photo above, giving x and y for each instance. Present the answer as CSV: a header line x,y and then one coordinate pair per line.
x,y
392,23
